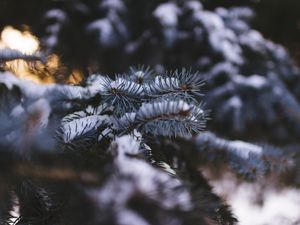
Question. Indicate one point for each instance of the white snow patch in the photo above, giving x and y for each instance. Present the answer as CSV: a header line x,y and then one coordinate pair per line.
x,y
43,109
129,217
235,102
194,5
257,81
127,145
56,13
105,29
167,14
280,207
246,148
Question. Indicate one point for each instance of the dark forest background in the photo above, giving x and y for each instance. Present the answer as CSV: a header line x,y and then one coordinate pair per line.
x,y
278,20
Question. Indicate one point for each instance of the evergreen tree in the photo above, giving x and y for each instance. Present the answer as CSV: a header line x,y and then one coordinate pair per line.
x,y
126,148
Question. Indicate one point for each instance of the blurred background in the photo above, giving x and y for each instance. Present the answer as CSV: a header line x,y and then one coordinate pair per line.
x,y
252,40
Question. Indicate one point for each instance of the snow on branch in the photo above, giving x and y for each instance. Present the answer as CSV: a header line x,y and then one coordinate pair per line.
x,y
7,54
249,160
165,118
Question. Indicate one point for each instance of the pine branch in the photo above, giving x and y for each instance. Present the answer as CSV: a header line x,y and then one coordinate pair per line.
x,y
183,85
249,160
141,74
123,94
7,54
165,118
110,35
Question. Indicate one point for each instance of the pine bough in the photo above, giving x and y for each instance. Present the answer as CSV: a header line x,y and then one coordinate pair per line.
x,y
128,148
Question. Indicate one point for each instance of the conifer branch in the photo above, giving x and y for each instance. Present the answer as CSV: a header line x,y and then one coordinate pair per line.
x,y
250,160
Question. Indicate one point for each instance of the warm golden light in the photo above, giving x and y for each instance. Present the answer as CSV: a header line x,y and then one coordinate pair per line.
x,y
23,41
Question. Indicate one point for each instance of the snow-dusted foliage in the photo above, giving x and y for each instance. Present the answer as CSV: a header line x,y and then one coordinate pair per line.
x,y
136,162
164,106
11,54
255,107
249,160
220,43
104,147
127,149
